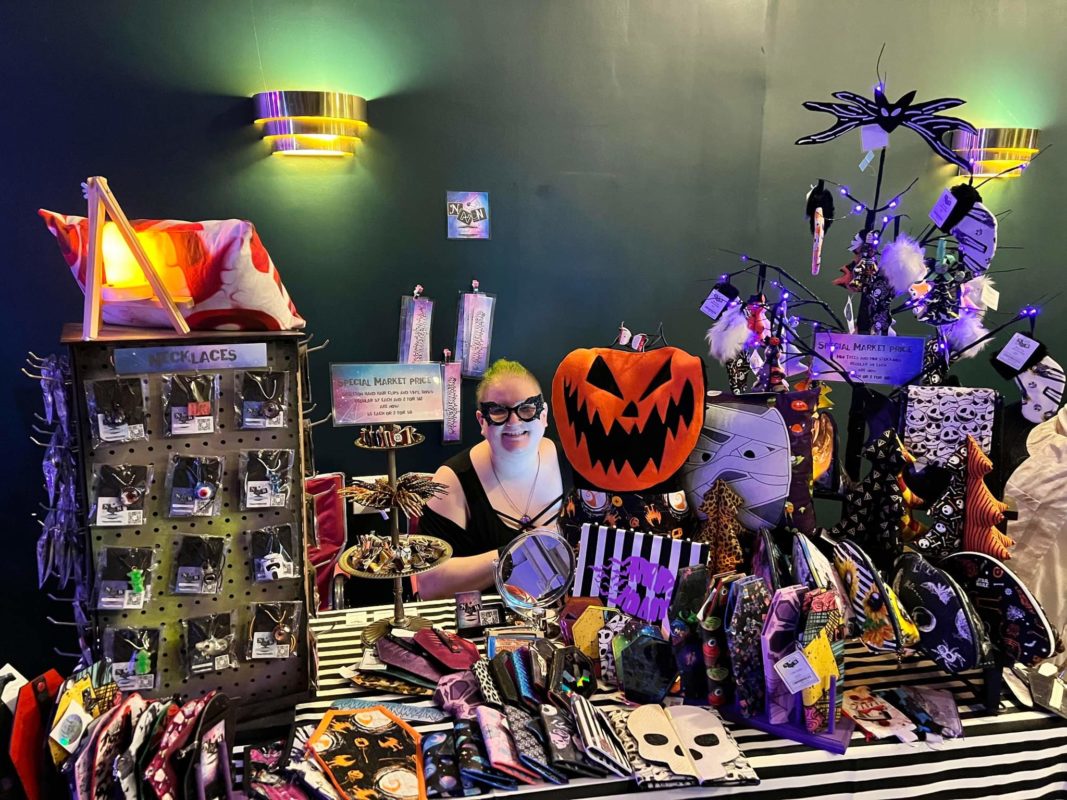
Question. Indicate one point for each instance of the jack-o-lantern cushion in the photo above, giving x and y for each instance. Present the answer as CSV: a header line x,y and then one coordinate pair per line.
x,y
627,420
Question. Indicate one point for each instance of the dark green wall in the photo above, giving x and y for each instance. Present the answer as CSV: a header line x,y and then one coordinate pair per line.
x,y
621,142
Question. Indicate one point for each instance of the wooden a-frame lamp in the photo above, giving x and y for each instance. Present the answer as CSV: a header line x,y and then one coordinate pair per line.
x,y
102,204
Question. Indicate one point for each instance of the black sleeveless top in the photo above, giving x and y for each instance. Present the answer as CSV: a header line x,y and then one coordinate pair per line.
x,y
487,528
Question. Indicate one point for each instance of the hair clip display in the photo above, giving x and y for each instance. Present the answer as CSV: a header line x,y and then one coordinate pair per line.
x,y
266,478
193,486
272,550
474,330
198,564
274,629
416,315
119,494
124,577
133,653
117,409
209,643
261,399
190,404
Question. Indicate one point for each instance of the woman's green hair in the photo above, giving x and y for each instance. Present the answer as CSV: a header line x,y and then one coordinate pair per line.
x,y
499,369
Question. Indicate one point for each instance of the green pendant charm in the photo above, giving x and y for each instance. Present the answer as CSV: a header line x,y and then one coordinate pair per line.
x,y
136,577
143,663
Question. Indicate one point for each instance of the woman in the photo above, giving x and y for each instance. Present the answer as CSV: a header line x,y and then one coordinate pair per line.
x,y
510,483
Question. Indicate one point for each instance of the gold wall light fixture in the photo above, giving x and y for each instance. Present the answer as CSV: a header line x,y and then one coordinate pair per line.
x,y
311,123
997,152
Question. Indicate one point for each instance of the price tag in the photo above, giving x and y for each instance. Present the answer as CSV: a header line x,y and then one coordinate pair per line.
x,y
1017,351
990,296
796,672
873,137
715,304
942,208
866,161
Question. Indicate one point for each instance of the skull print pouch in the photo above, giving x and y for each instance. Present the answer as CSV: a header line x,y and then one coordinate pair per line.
x,y
649,775
936,420
950,631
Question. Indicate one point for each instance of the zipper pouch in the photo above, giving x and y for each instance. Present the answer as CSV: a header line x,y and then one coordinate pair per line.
x,y
950,632
1017,624
883,623
746,610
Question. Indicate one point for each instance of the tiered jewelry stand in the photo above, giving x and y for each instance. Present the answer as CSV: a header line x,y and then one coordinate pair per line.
x,y
379,628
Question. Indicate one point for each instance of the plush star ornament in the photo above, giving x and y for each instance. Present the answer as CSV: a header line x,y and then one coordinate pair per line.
x,y
721,529
875,508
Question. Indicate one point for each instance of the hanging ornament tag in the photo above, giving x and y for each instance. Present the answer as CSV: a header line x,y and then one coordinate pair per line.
x,y
866,161
451,394
71,727
715,304
990,297
873,137
1018,351
796,672
722,294
942,208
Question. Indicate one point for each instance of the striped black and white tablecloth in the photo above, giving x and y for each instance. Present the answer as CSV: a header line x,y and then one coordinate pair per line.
x,y
1016,755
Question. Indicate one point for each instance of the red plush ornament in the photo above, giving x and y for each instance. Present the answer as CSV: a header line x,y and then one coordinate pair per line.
x,y
627,420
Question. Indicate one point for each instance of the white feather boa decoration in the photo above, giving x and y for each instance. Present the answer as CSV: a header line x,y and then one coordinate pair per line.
x,y
969,327
902,263
728,336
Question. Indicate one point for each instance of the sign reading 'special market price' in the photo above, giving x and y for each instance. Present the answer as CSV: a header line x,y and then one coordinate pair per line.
x,y
888,360
377,394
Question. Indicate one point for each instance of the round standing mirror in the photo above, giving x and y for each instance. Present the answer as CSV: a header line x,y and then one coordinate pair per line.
x,y
535,572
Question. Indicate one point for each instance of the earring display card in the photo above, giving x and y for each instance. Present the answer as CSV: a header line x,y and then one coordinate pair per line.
x,y
198,564
266,477
124,577
119,494
117,409
133,653
209,643
190,404
193,485
272,551
262,399
274,629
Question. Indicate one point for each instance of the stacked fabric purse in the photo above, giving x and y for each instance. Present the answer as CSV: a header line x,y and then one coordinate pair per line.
x,y
82,736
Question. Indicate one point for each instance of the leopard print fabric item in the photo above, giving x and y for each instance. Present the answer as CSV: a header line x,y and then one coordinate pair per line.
x,y
721,530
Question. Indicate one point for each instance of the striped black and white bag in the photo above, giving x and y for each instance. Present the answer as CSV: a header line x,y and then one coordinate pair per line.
x,y
632,570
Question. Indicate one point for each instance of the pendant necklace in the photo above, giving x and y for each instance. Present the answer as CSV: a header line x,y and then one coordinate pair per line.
x,y
282,631
142,659
203,489
269,408
524,518
129,494
273,469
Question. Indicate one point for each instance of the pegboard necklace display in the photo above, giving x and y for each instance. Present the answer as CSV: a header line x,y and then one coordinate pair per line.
x,y
198,487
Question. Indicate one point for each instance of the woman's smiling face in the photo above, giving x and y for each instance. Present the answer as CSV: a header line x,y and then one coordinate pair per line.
x,y
514,436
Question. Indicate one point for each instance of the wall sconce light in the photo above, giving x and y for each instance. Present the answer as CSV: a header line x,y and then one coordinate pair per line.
x,y
311,123
994,150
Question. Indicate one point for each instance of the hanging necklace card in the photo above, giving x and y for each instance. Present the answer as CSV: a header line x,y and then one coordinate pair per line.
x,y
452,373
474,332
416,314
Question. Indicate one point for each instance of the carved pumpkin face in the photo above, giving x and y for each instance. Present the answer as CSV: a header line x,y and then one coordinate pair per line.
x,y
628,420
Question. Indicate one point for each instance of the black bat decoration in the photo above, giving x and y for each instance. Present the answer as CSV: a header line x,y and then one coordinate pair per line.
x,y
858,110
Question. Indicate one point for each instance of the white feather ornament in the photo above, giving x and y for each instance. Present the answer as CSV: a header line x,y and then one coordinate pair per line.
x,y
902,263
728,336
968,328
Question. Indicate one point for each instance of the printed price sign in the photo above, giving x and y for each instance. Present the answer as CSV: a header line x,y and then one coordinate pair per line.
x,y
888,360
376,394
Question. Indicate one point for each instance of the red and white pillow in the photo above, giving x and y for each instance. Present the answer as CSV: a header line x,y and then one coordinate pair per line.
x,y
221,264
